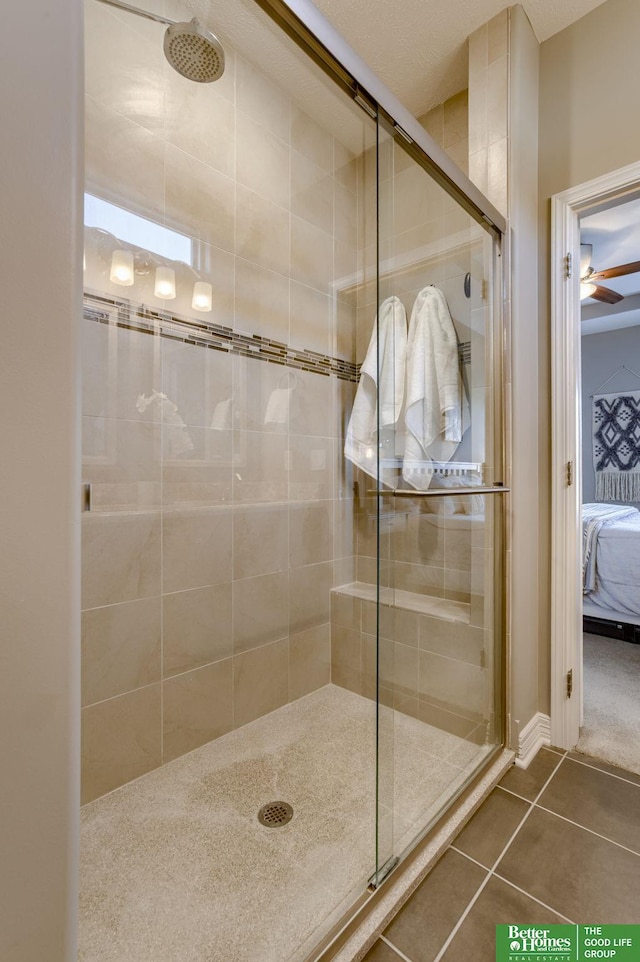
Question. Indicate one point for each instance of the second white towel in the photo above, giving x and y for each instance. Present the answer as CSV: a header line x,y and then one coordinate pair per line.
x,y
437,410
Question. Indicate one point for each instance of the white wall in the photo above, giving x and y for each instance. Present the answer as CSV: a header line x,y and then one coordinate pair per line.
x,y
40,171
528,599
589,100
590,97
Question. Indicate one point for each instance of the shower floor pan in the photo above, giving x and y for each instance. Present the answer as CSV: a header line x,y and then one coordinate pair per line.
x,y
176,865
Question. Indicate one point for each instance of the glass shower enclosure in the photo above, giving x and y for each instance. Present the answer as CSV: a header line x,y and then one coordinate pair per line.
x,y
293,638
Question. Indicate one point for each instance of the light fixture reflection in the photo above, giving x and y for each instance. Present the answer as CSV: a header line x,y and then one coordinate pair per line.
x,y
202,296
165,285
122,268
586,290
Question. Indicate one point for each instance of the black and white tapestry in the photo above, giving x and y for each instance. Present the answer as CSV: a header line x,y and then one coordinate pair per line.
x,y
616,446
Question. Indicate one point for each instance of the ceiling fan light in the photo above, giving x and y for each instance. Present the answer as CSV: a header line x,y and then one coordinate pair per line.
x,y
586,289
586,253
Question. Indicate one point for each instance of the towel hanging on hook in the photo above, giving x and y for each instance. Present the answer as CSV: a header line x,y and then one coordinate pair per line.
x,y
279,406
290,384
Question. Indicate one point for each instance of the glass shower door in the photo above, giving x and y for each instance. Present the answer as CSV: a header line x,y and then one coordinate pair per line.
x,y
301,627
439,500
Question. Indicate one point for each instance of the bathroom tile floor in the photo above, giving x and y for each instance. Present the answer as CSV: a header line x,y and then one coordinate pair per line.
x,y
175,866
558,842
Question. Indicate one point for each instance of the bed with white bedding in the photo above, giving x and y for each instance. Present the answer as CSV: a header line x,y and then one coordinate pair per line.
x,y
611,563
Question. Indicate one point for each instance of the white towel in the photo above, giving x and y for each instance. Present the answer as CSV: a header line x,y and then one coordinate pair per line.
x,y
437,410
278,406
386,355
221,418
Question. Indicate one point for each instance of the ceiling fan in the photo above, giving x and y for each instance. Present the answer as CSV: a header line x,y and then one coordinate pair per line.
x,y
589,276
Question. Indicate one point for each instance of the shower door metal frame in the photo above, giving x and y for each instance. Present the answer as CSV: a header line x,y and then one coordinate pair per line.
x,y
496,485
302,21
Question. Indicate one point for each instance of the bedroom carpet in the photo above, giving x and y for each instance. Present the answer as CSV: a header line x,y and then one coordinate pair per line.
x,y
611,729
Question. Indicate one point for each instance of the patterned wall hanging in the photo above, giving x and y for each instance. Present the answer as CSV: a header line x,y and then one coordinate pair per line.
x,y
616,446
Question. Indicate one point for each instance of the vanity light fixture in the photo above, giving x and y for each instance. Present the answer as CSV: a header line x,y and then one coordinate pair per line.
x,y
165,283
122,268
202,297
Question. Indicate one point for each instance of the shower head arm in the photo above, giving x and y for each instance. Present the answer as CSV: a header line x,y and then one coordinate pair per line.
x,y
192,50
139,13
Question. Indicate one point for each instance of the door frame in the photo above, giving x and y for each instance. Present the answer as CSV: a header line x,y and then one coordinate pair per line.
x,y
566,500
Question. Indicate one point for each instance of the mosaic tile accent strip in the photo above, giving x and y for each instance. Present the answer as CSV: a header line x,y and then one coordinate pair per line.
x,y
216,337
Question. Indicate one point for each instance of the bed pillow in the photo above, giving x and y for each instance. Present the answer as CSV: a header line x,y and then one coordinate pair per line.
x,y
442,505
469,504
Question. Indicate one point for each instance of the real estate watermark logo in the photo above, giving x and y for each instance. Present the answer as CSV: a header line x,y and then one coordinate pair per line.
x,y
567,943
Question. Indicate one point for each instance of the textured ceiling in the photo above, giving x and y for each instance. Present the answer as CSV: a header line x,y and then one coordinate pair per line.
x,y
615,236
418,47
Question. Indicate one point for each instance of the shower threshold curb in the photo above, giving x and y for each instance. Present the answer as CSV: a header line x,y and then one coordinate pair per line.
x,y
391,898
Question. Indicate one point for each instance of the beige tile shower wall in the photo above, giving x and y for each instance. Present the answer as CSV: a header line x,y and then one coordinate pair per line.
x,y
488,109
217,533
428,667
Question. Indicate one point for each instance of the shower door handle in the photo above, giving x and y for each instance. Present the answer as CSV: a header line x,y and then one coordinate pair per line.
x,y
440,492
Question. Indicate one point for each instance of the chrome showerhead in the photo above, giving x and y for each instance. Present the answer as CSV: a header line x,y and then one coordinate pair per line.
x,y
194,52
190,48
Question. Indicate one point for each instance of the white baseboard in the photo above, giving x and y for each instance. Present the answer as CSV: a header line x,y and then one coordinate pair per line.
x,y
533,736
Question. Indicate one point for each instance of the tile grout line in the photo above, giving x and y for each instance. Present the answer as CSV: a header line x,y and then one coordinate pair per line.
x,y
485,882
469,857
604,838
395,949
188,671
513,885
533,898
620,778
508,791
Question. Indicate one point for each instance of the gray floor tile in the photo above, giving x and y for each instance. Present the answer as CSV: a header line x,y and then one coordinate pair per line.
x,y
498,904
381,952
596,800
426,921
492,826
604,766
528,781
584,877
